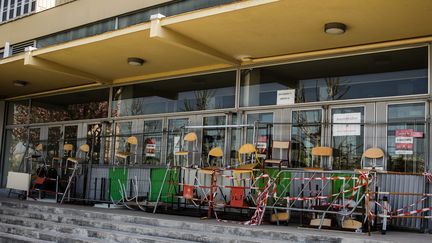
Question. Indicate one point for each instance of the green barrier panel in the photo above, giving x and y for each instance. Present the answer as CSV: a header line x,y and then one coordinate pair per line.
x,y
337,184
281,182
116,174
156,177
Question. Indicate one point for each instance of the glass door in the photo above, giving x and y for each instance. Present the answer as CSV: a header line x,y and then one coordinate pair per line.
x,y
306,132
347,137
213,137
152,138
175,129
262,135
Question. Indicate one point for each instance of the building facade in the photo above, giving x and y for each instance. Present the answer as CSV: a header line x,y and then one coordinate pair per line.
x,y
154,69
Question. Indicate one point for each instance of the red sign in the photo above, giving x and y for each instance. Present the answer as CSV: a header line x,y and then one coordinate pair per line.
x,y
408,133
404,146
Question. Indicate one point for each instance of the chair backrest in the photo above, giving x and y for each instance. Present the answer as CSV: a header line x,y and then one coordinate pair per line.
x,y
85,148
373,153
247,149
281,144
322,151
216,152
191,137
68,147
132,140
39,147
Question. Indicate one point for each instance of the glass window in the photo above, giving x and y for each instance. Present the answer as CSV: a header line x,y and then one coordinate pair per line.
x,y
213,137
236,138
75,106
394,73
204,92
305,135
405,138
347,139
152,142
18,112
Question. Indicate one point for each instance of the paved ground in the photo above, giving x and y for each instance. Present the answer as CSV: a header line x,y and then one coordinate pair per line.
x,y
391,236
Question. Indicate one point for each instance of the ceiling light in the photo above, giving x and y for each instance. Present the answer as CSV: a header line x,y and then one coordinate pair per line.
x,y
335,28
135,61
19,83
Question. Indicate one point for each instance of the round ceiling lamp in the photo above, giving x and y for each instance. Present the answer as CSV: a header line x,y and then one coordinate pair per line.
x,y
334,28
20,83
135,61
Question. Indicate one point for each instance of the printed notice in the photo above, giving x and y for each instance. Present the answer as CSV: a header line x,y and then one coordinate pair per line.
x,y
404,141
285,97
343,124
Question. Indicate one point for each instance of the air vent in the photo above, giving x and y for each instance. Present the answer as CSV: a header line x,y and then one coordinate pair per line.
x,y
20,47
1,53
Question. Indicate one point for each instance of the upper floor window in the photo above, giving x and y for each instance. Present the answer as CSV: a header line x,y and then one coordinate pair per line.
x,y
196,93
390,73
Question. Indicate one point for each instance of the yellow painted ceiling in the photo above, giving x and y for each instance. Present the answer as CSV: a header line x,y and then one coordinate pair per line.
x,y
279,28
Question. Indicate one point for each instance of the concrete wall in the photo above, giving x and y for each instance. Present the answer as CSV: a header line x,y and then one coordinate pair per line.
x,y
67,16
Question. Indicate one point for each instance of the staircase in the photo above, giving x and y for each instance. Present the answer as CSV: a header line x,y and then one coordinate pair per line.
x,y
42,222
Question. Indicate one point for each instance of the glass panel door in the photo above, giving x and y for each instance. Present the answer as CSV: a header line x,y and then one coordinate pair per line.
x,y
123,130
305,134
347,137
262,135
94,139
213,137
54,149
406,137
174,136
152,142
71,135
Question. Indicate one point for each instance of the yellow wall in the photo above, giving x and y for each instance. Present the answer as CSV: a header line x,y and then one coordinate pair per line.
x,y
68,16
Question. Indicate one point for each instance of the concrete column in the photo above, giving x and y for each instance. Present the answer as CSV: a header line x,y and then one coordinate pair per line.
x,y
2,126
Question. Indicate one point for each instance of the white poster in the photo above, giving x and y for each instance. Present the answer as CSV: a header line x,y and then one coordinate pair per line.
x,y
150,150
285,97
343,124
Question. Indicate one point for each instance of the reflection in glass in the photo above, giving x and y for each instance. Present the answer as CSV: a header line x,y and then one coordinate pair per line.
x,y
347,147
204,92
71,135
213,137
236,138
16,142
152,142
394,73
18,112
412,157
91,104
305,134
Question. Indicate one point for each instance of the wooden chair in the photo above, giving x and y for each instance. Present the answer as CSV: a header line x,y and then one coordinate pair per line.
x,y
322,152
374,154
281,145
132,141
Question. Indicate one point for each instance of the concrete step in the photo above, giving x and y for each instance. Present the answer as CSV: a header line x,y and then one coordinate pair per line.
x,y
145,223
220,230
11,238
38,235
94,234
177,234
